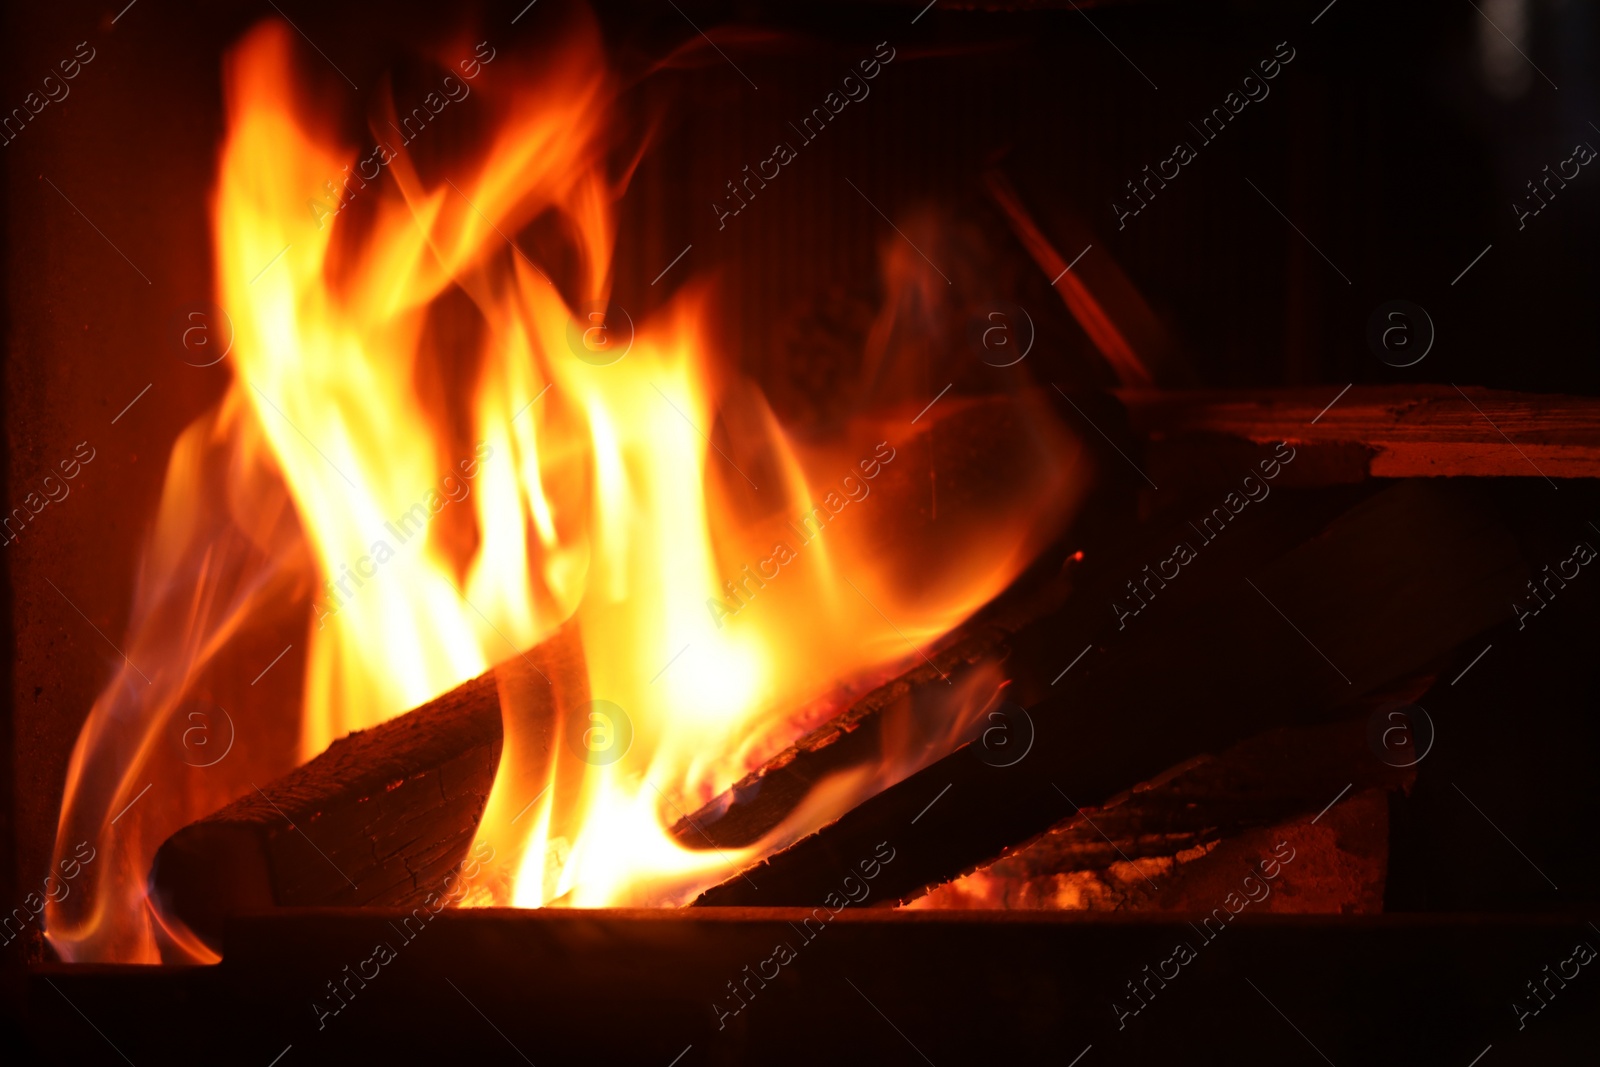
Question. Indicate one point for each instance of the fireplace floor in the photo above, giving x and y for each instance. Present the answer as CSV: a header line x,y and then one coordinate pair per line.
x,y
651,987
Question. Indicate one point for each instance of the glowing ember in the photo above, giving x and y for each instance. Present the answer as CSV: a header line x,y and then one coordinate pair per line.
x,y
436,505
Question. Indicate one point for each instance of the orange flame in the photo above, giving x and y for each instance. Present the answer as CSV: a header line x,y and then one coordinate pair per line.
x,y
435,538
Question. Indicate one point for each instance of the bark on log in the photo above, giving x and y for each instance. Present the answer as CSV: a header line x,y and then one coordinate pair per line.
x,y
377,819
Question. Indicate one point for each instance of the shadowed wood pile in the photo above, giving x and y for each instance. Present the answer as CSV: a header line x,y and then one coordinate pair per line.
x,y
1386,591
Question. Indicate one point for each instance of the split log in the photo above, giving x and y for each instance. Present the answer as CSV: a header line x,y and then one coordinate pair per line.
x,y
1384,592
1400,431
377,819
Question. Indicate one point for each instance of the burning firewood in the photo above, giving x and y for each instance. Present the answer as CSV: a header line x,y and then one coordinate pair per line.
x,y
383,815
395,808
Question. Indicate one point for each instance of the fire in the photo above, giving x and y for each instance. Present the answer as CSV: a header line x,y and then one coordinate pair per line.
x,y
434,450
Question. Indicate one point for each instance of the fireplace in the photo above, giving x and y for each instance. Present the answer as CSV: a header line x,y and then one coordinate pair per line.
x,y
940,520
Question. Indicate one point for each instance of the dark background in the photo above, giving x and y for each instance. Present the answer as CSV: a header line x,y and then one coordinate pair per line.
x,y
1396,141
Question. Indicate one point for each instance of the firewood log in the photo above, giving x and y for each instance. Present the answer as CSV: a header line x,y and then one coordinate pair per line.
x,y
1139,850
377,819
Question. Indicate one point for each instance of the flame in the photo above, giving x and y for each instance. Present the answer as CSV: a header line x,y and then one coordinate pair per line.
x,y
445,496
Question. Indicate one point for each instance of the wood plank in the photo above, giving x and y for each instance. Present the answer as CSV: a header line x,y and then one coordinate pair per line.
x,y
1401,431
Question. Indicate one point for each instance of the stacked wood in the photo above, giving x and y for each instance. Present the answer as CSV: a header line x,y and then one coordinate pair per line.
x,y
382,816
1227,650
